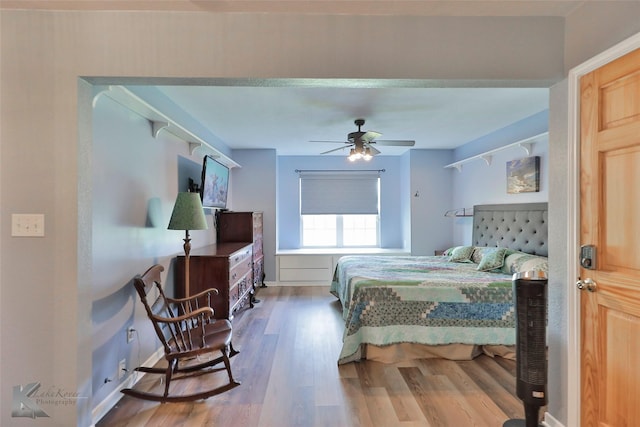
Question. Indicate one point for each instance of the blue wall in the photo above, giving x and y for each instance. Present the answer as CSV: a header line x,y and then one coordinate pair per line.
x,y
527,127
134,183
416,191
431,197
253,187
410,222
479,183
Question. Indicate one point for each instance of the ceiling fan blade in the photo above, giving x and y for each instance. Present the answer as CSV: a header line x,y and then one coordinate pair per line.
x,y
336,149
334,142
398,142
370,136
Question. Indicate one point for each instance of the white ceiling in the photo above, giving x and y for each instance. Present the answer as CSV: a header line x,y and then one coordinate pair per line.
x,y
288,118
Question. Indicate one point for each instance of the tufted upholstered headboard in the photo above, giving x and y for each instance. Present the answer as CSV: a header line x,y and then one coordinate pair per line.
x,y
519,226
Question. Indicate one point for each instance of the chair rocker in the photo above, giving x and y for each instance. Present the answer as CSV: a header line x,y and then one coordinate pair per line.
x,y
188,333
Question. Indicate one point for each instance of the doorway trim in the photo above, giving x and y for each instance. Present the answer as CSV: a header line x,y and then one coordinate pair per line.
x,y
573,215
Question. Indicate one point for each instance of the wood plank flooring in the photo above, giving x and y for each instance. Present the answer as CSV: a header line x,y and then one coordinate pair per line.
x,y
289,344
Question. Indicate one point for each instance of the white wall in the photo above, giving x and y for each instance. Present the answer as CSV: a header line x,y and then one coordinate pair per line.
x,y
46,283
596,26
558,219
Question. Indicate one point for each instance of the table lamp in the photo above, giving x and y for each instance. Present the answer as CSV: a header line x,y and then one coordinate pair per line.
x,y
187,214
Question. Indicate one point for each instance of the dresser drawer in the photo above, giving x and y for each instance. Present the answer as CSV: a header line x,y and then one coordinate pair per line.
x,y
234,296
240,257
239,270
240,293
245,285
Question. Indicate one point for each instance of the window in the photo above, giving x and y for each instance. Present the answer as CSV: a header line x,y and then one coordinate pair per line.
x,y
339,209
319,230
359,230
340,230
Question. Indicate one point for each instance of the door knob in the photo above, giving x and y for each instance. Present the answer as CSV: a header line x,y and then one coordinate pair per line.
x,y
588,284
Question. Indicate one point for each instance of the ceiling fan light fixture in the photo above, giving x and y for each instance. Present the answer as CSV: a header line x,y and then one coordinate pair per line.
x,y
360,141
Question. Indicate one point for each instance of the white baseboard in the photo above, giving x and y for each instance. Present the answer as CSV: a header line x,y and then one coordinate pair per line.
x,y
549,421
101,409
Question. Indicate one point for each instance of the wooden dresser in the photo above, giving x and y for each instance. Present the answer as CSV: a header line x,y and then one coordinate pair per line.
x,y
244,227
228,267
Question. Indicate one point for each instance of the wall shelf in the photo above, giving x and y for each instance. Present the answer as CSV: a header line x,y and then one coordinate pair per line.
x,y
459,213
160,121
526,144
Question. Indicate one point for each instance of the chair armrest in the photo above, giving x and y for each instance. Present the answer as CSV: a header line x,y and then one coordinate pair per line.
x,y
204,311
192,297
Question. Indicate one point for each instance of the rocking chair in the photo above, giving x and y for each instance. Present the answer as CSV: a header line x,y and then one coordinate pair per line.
x,y
188,332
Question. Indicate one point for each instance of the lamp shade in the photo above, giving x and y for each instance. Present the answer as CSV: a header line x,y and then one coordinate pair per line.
x,y
188,213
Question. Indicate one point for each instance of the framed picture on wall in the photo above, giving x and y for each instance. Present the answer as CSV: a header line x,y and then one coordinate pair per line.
x,y
523,175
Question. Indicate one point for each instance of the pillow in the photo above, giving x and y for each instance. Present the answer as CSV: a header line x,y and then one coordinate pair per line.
x,y
520,261
492,259
478,253
461,254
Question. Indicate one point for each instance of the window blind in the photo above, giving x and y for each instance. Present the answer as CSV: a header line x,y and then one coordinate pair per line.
x,y
339,193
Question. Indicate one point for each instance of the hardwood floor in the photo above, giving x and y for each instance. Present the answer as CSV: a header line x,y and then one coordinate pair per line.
x,y
289,344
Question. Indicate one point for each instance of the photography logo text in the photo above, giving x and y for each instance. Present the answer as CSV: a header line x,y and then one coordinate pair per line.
x,y
28,399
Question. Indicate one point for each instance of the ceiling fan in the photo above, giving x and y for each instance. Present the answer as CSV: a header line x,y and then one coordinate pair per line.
x,y
361,143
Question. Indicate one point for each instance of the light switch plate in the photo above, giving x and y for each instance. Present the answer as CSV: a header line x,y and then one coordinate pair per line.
x,y
27,225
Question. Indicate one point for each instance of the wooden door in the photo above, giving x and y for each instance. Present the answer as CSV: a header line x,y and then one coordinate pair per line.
x,y
610,220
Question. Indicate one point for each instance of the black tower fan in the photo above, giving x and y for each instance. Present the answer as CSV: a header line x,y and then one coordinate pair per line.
x,y
530,296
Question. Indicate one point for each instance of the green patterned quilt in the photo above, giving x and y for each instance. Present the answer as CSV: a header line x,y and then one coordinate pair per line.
x,y
426,300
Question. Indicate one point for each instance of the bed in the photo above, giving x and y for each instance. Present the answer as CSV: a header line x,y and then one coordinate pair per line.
x,y
456,306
